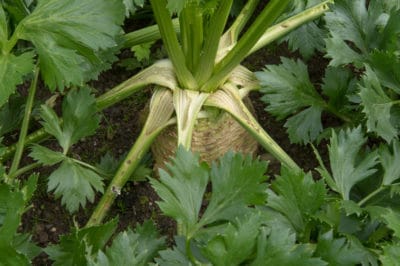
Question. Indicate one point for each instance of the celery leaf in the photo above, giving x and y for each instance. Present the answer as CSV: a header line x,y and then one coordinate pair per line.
x,y
297,196
71,37
15,249
337,251
288,91
3,27
377,107
132,248
73,248
176,6
338,85
305,126
12,71
11,114
391,254
80,118
348,166
389,161
237,182
10,256
235,242
309,37
176,255
46,156
182,190
11,208
278,246
393,221
357,29
386,66
74,184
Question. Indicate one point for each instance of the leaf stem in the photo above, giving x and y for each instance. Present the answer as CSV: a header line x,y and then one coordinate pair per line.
x,y
9,45
189,252
222,70
25,123
145,35
213,34
161,109
241,20
278,30
335,112
229,100
91,167
171,44
24,169
371,195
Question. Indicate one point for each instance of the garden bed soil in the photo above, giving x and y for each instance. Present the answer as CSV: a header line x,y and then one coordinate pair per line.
x,y
46,220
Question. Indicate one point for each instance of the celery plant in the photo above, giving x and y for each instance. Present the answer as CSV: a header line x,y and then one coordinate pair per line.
x,y
202,70
205,62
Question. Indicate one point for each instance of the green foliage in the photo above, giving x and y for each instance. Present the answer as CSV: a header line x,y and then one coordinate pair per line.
x,y
308,38
75,184
179,200
236,182
132,248
242,220
289,93
278,246
59,31
347,168
377,107
391,255
13,69
389,161
87,246
73,248
15,249
337,251
46,156
236,241
74,181
11,114
298,197
393,220
78,115
131,6
361,25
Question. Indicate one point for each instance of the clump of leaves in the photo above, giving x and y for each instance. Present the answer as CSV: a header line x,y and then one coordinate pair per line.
x,y
361,83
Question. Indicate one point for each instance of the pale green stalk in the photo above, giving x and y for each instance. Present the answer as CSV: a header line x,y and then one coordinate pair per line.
x,y
279,30
191,25
25,123
24,170
231,36
146,35
371,195
160,73
223,69
187,105
161,109
214,30
171,44
229,100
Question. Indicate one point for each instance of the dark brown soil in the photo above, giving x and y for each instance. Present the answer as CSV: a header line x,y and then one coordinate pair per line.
x,y
47,219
